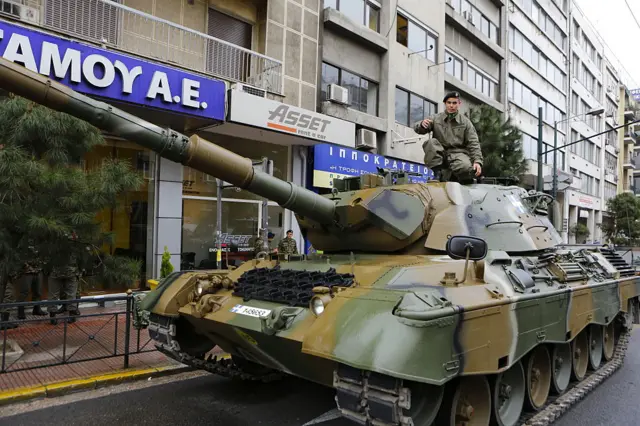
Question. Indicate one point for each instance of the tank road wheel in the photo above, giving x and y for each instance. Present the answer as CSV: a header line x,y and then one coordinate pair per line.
x,y
508,392
609,342
595,346
561,372
580,352
538,378
467,403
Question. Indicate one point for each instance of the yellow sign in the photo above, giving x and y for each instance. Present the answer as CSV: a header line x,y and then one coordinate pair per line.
x,y
246,337
219,255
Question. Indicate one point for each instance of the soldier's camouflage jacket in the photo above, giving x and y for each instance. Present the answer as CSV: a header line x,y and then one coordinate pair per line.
x,y
454,134
287,246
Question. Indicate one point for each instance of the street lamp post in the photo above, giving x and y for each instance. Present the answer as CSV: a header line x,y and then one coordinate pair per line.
x,y
554,183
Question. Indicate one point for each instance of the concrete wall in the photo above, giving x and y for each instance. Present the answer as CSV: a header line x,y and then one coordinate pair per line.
x,y
292,37
286,30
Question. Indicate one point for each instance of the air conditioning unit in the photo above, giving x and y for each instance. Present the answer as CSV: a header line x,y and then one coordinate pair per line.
x,y
29,14
338,94
249,89
366,139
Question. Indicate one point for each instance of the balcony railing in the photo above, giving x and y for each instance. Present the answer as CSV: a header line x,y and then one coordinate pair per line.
x,y
127,29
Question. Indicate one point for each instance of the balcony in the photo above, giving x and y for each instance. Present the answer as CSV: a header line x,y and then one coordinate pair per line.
x,y
628,162
116,26
628,139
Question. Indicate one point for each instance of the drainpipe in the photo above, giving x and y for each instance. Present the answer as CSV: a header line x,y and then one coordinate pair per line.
x,y
303,181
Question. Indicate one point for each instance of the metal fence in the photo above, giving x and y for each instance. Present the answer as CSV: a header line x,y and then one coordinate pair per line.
x,y
39,343
115,25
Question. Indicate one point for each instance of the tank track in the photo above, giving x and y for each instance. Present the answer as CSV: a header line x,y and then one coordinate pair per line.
x,y
556,405
223,366
163,331
372,399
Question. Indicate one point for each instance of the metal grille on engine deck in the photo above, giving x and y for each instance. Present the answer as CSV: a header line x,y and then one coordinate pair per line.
x,y
618,262
287,286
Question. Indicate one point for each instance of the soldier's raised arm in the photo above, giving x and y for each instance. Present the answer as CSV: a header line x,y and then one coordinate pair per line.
x,y
473,144
424,126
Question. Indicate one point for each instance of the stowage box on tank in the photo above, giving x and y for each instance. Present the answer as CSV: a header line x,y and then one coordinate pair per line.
x,y
432,303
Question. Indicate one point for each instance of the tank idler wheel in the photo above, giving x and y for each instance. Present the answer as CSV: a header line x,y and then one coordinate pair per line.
x,y
425,402
580,352
561,367
467,402
538,378
595,346
508,392
609,342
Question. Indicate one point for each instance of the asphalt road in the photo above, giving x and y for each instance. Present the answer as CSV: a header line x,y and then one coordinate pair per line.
x,y
196,398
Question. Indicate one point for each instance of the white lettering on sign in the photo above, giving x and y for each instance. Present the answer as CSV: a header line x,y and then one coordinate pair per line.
x,y
71,64
377,160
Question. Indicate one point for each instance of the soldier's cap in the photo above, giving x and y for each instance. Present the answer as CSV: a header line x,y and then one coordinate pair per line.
x,y
271,235
451,95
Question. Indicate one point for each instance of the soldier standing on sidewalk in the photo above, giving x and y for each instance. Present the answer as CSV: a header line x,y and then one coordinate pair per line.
x,y
31,279
288,245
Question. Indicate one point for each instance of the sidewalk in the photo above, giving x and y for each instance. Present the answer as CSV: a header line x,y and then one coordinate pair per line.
x,y
100,331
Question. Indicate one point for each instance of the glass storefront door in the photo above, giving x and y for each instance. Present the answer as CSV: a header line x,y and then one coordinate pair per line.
x,y
241,220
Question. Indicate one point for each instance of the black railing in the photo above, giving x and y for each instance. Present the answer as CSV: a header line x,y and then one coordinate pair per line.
x,y
47,341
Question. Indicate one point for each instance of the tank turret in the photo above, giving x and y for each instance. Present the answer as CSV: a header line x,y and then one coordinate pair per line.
x,y
369,214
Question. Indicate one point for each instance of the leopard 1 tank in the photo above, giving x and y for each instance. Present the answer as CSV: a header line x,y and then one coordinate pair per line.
x,y
431,303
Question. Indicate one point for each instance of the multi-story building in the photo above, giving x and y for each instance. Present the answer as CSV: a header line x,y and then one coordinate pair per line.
x,y
539,78
612,85
586,159
396,61
626,140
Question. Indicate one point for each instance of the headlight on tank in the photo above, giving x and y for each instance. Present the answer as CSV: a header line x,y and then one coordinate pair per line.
x,y
318,303
200,288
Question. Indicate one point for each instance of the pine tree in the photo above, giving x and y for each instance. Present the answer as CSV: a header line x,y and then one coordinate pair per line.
x,y
501,143
624,229
48,201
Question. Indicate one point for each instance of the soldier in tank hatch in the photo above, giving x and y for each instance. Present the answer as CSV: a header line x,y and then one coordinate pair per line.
x,y
454,150
288,244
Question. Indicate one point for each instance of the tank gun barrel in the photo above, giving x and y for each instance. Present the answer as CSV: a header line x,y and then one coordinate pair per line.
x,y
191,151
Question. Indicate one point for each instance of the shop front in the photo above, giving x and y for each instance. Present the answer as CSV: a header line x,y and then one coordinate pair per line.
x,y
256,128
164,95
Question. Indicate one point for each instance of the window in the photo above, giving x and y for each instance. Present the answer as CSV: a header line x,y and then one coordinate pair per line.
x,y
481,82
480,21
529,100
537,14
363,12
411,108
533,57
530,150
363,94
416,38
454,67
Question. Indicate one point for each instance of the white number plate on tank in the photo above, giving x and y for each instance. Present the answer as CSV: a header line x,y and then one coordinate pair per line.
x,y
250,311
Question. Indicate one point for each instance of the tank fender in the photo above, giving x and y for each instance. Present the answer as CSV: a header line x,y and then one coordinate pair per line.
x,y
170,294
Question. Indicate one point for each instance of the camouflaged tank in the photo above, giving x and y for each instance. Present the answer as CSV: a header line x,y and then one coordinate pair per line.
x,y
432,303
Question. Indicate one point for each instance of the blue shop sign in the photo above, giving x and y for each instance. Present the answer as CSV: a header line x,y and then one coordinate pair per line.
x,y
113,75
332,161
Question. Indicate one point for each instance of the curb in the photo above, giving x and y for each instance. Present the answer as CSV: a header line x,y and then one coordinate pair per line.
x,y
94,382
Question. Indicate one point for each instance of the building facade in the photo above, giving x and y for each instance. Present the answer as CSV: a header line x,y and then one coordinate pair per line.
x,y
319,89
539,79
586,158
234,73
